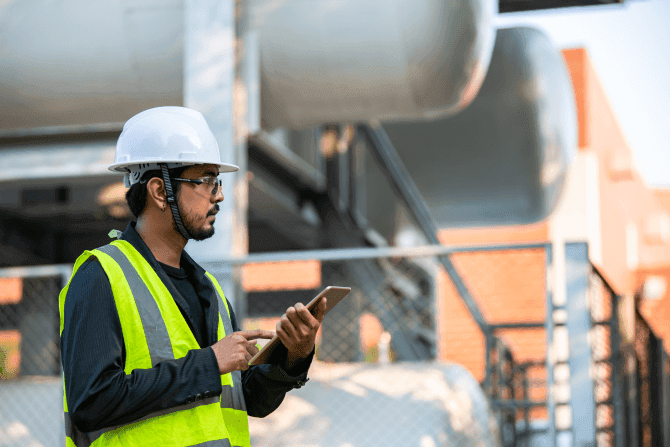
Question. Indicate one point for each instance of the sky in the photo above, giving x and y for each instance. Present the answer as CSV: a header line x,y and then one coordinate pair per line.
x,y
629,45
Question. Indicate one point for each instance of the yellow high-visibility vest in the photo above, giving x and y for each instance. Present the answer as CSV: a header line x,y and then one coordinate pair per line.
x,y
155,330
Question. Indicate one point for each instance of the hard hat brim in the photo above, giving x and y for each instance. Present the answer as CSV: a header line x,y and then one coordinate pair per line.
x,y
223,167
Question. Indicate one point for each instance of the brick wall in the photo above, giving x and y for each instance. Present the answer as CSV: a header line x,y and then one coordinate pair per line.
x,y
509,286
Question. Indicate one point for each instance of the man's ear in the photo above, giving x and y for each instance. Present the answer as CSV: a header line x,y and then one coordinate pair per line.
x,y
156,193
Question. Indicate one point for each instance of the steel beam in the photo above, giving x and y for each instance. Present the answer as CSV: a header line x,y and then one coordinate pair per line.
x,y
618,371
374,282
488,364
401,181
656,370
549,329
665,389
289,160
338,254
582,399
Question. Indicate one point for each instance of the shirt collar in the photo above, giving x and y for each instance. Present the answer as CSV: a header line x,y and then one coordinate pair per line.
x,y
203,287
131,236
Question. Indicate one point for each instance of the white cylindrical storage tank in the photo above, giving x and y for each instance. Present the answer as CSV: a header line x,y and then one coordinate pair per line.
x,y
359,60
80,62
71,62
502,160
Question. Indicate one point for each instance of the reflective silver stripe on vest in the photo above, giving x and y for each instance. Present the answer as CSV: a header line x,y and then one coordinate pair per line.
x,y
93,436
155,331
69,426
79,438
231,397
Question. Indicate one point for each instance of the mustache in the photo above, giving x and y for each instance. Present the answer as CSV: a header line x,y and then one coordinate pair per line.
x,y
213,210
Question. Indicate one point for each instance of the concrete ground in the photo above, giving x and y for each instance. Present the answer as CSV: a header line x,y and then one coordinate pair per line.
x,y
31,412
426,404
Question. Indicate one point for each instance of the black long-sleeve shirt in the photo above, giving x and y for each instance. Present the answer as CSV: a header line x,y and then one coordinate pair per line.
x,y
100,394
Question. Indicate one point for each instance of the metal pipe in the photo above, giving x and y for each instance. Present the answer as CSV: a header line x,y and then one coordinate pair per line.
x,y
526,413
549,329
488,387
64,270
338,254
302,170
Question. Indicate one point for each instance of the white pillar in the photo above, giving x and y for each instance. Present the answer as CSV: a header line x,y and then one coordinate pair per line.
x,y
212,88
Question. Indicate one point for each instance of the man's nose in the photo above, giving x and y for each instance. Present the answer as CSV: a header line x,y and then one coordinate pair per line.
x,y
218,197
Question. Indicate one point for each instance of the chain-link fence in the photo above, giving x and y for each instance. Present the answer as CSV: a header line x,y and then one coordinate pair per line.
x,y
630,376
395,296
375,380
31,409
363,389
631,386
651,388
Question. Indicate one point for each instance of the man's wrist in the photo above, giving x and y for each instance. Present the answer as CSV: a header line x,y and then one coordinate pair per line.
x,y
292,360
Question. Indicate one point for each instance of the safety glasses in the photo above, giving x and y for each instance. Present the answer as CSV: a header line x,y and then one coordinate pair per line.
x,y
211,182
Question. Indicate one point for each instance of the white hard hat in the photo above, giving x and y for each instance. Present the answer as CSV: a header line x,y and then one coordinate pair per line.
x,y
176,136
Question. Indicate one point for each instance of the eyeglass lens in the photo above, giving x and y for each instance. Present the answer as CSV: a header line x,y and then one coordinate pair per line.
x,y
214,182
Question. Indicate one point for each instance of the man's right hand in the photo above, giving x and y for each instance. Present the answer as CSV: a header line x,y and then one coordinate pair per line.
x,y
234,351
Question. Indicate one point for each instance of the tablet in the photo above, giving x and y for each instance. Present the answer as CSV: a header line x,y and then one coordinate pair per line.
x,y
333,294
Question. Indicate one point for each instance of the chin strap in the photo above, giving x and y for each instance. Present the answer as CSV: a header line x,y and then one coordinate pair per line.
x,y
172,202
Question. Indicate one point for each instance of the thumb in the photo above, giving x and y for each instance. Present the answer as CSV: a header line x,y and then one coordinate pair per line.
x,y
255,334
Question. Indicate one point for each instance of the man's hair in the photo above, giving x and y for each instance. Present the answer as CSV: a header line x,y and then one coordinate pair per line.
x,y
136,196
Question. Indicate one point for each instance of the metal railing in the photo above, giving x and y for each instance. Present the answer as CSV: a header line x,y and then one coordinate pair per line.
x,y
631,390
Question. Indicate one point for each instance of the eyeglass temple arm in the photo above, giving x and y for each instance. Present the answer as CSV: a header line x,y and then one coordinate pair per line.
x,y
190,180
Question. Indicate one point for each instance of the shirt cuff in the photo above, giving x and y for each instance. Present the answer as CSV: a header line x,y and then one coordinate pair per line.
x,y
209,378
295,377
300,368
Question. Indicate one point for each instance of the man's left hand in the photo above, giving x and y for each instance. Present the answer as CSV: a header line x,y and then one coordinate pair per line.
x,y
297,330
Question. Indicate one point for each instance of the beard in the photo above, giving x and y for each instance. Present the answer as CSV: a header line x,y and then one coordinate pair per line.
x,y
196,233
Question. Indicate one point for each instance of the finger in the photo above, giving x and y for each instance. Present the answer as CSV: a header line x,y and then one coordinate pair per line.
x,y
288,327
242,358
294,317
308,324
247,356
252,349
305,316
283,336
321,309
256,333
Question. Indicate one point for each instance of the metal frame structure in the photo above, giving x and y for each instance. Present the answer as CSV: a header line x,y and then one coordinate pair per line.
x,y
63,271
578,323
501,371
506,382
502,374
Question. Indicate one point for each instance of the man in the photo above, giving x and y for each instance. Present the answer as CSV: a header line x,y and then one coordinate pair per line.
x,y
151,351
